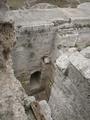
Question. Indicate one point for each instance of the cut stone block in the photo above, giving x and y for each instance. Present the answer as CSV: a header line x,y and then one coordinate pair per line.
x,y
78,16
81,64
86,52
45,109
79,73
83,39
37,17
62,62
67,38
70,94
84,6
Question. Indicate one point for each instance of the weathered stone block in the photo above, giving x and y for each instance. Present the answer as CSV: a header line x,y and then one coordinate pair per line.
x,y
45,109
86,52
83,40
79,73
67,37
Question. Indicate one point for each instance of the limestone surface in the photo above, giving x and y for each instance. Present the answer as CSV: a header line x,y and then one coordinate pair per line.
x,y
60,3
11,91
86,52
14,102
51,59
69,95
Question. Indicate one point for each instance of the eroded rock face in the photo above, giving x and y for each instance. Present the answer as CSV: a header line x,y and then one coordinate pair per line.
x,y
60,3
14,102
36,33
3,9
71,89
36,38
11,92
12,95
3,5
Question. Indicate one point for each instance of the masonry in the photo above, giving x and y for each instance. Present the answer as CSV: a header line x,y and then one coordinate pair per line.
x,y
51,58
48,37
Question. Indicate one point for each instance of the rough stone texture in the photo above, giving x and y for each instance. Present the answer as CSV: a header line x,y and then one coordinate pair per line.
x,y
67,37
11,91
81,63
84,6
70,37
86,52
3,5
3,9
45,109
60,3
71,89
14,103
35,41
83,38
43,6
31,47
70,92
36,32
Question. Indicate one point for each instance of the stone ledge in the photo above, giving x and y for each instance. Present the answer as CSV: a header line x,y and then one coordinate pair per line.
x,y
81,63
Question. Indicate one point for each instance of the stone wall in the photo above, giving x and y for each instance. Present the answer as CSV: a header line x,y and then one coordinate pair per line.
x,y
9,86
49,34
33,44
36,38
71,89
14,102
70,92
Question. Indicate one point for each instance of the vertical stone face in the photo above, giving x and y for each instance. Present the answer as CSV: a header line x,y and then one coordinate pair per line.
x,y
71,89
10,92
70,93
13,100
3,9
33,44
3,4
6,42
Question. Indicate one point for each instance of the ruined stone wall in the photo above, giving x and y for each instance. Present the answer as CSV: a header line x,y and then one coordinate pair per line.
x,y
69,98
31,47
70,92
14,102
10,92
36,39
71,89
